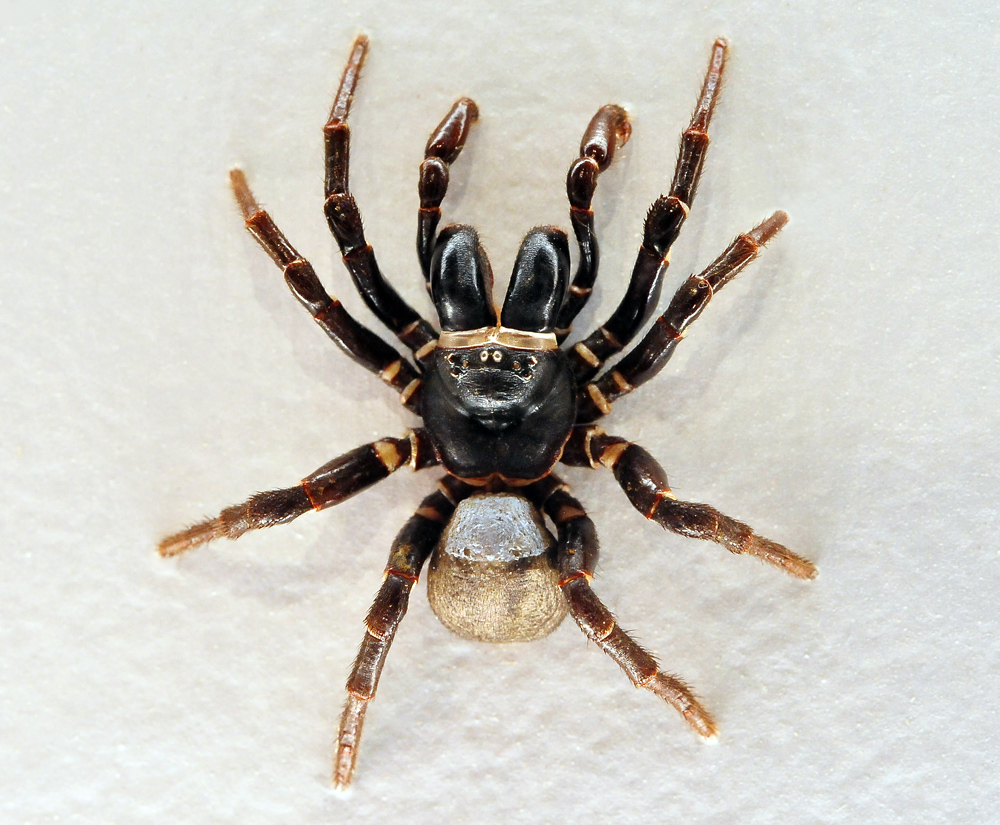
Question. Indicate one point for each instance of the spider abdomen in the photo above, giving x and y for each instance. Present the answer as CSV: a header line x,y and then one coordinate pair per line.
x,y
492,576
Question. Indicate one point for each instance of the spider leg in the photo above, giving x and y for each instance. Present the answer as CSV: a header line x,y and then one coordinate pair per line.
x,y
645,484
577,552
359,342
409,551
663,224
330,484
607,130
344,219
443,148
652,353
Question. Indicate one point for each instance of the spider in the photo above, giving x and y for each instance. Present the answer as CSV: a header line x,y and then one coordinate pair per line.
x,y
502,403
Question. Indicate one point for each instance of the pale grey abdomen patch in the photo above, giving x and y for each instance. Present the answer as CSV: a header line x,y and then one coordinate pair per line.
x,y
491,576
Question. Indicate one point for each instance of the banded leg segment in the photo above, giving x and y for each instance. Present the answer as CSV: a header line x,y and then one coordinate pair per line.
x,y
645,484
652,353
663,224
359,342
607,130
409,551
443,148
344,219
330,484
577,552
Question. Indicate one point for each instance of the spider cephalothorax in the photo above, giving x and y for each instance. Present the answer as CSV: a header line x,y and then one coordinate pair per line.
x,y
499,398
502,403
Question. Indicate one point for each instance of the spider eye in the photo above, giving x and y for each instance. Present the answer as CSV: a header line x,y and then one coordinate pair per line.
x,y
538,285
461,280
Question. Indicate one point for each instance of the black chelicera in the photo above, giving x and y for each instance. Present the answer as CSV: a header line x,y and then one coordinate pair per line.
x,y
502,403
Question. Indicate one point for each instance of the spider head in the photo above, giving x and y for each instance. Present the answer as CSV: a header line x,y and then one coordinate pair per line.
x,y
500,390
497,373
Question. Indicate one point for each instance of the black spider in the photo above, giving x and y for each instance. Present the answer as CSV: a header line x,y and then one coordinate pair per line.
x,y
502,403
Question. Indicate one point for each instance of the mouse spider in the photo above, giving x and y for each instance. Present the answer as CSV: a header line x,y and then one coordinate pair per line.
x,y
502,402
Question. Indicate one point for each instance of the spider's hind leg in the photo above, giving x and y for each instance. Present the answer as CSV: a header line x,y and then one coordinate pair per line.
x,y
577,552
410,550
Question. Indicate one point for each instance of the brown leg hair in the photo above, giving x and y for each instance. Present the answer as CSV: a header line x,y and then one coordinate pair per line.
x,y
645,484
652,353
443,148
663,224
344,219
607,130
330,484
409,551
577,555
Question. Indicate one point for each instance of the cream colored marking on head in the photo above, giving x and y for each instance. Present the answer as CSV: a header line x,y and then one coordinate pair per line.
x,y
609,458
484,355
408,390
387,454
497,356
584,352
598,398
425,350
391,371
502,336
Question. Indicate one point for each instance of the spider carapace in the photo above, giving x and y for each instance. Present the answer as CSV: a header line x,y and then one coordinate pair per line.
x,y
502,403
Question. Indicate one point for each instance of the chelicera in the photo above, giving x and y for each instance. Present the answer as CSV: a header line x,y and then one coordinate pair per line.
x,y
502,403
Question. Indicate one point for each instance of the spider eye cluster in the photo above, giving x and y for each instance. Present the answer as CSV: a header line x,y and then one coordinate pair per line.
x,y
520,364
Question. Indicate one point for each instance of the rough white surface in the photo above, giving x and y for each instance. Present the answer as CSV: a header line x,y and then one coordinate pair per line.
x,y
841,396
494,528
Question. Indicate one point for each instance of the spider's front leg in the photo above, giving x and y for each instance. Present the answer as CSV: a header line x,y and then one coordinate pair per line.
x,y
330,484
409,551
663,225
344,219
577,553
645,484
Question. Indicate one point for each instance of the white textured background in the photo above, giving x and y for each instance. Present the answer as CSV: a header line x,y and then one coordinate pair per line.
x,y
841,396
